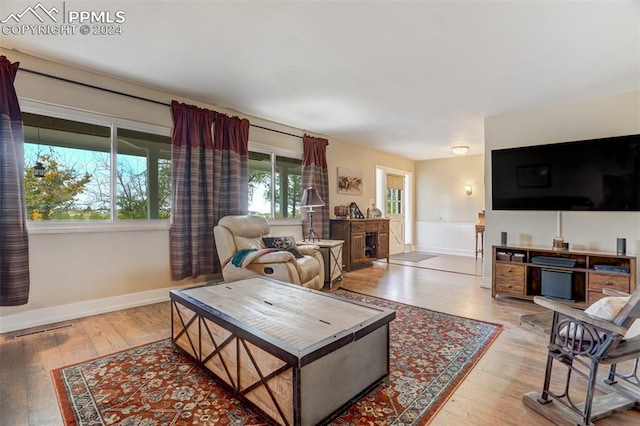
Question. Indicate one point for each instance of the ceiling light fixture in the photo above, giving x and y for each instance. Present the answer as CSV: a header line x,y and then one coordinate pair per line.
x,y
460,149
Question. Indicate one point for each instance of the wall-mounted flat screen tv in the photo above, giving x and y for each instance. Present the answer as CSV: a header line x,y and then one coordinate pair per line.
x,y
597,174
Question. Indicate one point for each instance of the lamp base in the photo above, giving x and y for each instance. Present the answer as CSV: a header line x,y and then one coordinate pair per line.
x,y
312,236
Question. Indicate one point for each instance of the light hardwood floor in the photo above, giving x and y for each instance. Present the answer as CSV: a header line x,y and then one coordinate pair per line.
x,y
490,394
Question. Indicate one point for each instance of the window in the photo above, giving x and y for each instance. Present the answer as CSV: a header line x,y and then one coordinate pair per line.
x,y
269,171
85,180
143,159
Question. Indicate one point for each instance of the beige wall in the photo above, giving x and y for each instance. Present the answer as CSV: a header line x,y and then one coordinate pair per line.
x,y
597,231
356,157
83,272
440,184
445,214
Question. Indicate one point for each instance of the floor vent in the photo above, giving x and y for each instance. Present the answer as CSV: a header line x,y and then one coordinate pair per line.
x,y
44,330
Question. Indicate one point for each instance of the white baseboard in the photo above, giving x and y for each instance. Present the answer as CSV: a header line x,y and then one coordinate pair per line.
x,y
43,316
486,282
441,250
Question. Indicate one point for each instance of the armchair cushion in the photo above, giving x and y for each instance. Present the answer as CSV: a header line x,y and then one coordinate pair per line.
x,y
309,249
283,243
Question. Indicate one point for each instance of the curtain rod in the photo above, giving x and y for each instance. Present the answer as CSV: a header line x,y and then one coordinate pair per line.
x,y
91,86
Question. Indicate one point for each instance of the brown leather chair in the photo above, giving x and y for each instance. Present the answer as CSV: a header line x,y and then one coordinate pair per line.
x,y
243,253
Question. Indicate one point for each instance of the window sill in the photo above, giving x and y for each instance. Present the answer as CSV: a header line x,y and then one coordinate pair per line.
x,y
68,227
64,227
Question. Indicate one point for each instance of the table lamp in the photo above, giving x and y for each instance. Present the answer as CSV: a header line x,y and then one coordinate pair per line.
x,y
311,199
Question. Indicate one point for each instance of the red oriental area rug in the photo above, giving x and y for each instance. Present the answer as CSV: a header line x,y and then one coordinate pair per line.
x,y
431,353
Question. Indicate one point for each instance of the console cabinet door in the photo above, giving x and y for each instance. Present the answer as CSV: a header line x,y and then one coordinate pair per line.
x,y
357,247
383,243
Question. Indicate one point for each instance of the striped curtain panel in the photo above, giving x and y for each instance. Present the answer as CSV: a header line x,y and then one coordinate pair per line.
x,y
231,165
209,180
192,193
315,174
14,239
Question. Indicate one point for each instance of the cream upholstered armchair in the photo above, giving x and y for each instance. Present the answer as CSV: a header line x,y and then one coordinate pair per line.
x,y
240,241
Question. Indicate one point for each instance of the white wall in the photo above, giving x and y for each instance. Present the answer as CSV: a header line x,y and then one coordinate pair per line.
x,y
594,231
83,273
445,215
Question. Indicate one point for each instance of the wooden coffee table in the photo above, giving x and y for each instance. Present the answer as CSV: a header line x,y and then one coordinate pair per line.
x,y
297,356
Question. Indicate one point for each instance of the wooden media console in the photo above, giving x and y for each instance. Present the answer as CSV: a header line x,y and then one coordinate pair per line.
x,y
521,272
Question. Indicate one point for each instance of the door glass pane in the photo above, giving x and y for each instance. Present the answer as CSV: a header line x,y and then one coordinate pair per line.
x,y
394,201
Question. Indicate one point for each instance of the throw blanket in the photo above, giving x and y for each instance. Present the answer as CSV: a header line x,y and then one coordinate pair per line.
x,y
245,256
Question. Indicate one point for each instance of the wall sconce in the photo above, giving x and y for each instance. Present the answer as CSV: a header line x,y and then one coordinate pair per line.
x,y
38,170
460,149
468,189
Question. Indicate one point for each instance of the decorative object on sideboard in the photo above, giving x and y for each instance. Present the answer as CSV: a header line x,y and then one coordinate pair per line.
x,y
341,211
558,243
355,211
376,213
621,246
311,199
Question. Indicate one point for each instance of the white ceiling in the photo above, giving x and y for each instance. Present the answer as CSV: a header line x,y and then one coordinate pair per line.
x,y
413,78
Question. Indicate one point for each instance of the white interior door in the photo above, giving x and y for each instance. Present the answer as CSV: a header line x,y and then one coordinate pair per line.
x,y
394,210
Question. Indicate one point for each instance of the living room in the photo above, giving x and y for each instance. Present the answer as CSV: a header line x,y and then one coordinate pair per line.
x,y
87,270
444,214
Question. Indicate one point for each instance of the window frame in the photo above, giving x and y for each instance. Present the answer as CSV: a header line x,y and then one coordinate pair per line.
x,y
277,152
113,223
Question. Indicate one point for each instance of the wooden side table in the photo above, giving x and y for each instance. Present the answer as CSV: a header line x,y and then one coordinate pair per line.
x,y
332,254
480,232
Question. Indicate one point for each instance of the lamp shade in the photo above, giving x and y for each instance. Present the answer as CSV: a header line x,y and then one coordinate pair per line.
x,y
310,198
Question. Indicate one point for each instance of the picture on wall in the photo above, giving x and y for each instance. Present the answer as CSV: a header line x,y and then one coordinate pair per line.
x,y
349,181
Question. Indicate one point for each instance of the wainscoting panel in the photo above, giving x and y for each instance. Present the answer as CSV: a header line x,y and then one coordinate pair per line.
x,y
457,238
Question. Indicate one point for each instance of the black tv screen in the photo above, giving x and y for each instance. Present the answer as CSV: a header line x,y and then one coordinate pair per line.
x,y
597,174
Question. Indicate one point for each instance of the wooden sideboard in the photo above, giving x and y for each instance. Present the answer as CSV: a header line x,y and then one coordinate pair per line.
x,y
365,240
517,272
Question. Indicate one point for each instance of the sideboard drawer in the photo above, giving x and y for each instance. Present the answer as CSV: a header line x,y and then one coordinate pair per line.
x,y
371,227
358,227
599,281
509,279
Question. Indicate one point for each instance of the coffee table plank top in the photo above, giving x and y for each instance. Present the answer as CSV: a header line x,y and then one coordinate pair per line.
x,y
297,316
